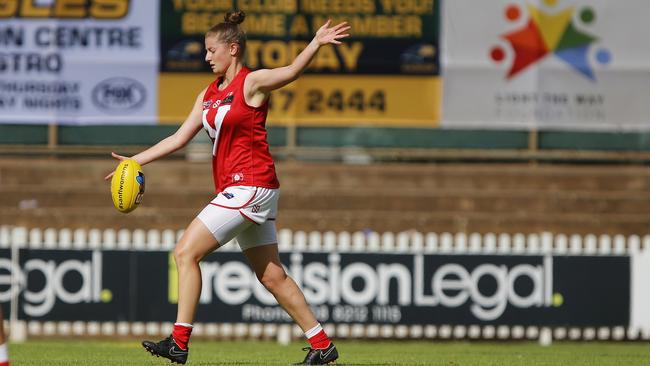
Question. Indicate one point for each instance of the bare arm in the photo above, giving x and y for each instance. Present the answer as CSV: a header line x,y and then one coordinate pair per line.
x,y
261,82
192,124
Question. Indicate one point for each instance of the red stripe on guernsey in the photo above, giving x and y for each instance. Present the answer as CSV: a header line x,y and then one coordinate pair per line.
x,y
236,208
246,217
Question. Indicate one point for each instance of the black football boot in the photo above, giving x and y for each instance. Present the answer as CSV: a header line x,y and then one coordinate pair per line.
x,y
167,348
320,356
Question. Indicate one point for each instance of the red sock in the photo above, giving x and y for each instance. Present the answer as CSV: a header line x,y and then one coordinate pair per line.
x,y
181,335
4,353
317,338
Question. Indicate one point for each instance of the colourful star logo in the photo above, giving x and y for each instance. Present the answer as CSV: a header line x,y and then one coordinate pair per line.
x,y
544,33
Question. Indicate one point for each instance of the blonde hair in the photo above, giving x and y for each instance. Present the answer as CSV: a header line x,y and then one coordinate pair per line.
x,y
230,30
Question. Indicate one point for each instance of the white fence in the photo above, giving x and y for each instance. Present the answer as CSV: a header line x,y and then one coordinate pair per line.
x,y
403,242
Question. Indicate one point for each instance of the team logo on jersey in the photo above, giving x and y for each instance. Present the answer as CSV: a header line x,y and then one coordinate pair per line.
x,y
207,104
237,177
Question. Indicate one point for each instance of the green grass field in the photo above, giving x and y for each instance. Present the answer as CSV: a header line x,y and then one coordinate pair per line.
x,y
76,352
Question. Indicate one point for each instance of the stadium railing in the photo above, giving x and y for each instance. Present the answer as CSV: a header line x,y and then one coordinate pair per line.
x,y
356,143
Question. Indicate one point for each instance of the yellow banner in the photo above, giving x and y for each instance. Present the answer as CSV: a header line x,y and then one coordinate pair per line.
x,y
333,100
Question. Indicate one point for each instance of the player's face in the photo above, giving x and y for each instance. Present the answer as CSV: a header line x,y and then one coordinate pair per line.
x,y
218,54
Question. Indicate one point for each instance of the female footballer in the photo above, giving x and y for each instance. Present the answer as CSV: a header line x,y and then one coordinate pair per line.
x,y
233,111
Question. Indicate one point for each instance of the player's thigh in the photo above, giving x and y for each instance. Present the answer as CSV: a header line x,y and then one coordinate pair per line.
x,y
213,227
196,242
260,245
265,261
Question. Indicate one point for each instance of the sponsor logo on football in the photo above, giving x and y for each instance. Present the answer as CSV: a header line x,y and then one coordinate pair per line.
x,y
120,190
119,94
140,180
39,302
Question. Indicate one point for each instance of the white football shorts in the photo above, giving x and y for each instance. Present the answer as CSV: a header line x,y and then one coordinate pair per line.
x,y
245,213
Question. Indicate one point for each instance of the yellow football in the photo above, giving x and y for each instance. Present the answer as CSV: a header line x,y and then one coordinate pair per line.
x,y
127,186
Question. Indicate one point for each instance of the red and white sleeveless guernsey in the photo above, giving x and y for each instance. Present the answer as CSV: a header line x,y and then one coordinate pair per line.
x,y
240,152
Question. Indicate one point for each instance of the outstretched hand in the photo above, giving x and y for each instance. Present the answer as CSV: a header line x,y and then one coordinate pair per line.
x,y
327,34
118,157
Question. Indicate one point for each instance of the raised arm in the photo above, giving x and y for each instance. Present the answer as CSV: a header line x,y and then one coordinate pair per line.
x,y
261,82
192,124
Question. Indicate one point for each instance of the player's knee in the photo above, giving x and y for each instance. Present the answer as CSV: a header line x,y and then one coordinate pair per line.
x,y
184,255
273,280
